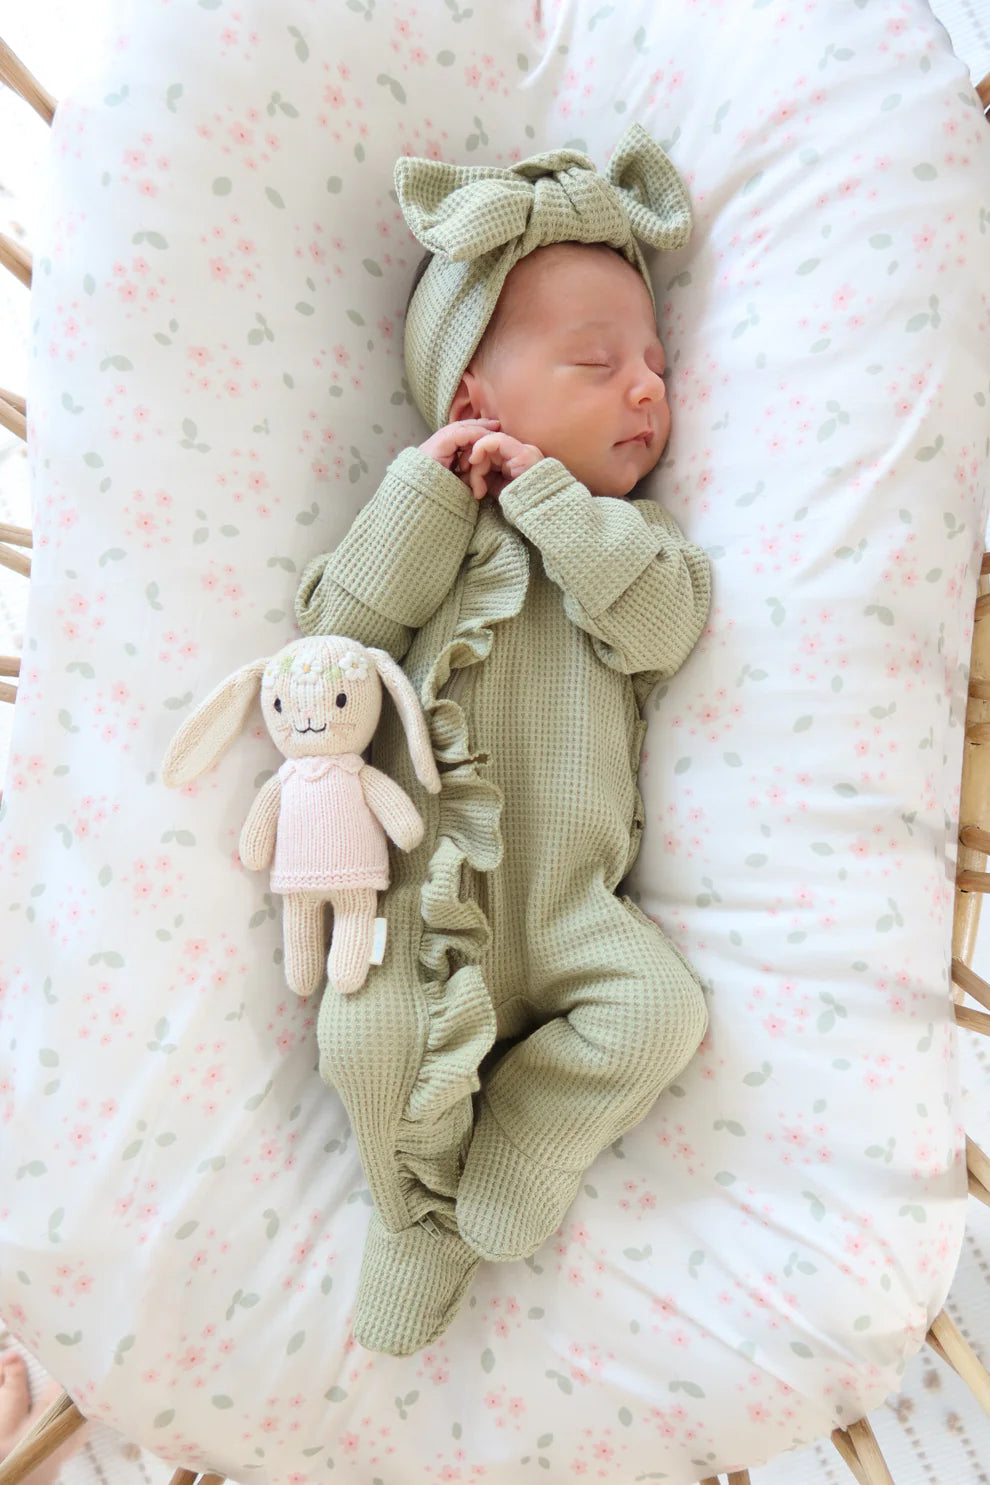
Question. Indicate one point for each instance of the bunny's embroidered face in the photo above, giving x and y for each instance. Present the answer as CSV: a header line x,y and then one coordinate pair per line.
x,y
321,696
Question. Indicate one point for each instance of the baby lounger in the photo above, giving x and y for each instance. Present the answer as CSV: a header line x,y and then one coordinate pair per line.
x,y
217,388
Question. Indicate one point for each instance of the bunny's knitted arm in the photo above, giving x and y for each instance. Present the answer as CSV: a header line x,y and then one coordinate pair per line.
x,y
397,562
629,578
259,830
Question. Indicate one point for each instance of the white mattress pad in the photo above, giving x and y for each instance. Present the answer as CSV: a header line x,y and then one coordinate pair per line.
x,y
217,388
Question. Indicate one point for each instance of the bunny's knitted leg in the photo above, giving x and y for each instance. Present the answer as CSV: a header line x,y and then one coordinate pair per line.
x,y
304,935
353,933
626,1015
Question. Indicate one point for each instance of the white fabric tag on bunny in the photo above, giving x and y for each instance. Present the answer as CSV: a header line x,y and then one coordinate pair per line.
x,y
378,943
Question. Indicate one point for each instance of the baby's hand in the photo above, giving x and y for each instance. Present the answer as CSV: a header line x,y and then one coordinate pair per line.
x,y
451,444
496,459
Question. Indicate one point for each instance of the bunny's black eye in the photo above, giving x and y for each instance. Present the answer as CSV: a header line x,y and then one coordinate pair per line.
x,y
278,704
342,699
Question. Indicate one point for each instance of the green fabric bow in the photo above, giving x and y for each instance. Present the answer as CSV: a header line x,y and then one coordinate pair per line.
x,y
479,220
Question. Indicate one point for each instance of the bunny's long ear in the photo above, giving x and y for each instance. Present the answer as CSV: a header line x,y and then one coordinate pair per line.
x,y
417,733
214,724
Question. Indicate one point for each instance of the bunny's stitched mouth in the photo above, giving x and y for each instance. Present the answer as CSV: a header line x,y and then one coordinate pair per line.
x,y
310,728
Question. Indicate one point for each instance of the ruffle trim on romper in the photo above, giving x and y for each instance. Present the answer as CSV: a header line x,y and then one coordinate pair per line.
x,y
456,932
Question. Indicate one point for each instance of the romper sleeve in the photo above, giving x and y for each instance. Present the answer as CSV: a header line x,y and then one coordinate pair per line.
x,y
629,578
397,562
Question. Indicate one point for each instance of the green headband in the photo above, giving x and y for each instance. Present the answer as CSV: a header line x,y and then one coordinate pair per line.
x,y
479,220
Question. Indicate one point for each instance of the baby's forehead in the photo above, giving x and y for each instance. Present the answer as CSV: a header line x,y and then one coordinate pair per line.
x,y
564,286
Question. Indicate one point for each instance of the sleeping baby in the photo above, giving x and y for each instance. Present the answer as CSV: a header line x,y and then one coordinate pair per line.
x,y
534,606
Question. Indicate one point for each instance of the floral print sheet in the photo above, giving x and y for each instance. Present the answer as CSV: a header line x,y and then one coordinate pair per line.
x,y
217,388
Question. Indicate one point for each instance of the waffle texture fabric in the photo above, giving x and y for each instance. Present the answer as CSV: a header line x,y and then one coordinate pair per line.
x,y
532,629
479,220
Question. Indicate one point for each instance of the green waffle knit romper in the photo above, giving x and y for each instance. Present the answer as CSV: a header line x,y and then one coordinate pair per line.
x,y
533,629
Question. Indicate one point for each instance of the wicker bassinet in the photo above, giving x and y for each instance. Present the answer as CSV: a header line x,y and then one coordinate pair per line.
x,y
857,1443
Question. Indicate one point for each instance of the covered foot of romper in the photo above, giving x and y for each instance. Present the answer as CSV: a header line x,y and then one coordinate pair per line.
x,y
507,1204
411,1285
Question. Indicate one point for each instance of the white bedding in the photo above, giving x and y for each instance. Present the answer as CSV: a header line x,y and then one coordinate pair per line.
x,y
217,388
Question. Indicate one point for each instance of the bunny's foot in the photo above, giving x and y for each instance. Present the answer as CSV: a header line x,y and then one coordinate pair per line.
x,y
304,934
353,937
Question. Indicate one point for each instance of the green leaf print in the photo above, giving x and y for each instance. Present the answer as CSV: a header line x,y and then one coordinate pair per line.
x,y
691,1388
817,1206
395,88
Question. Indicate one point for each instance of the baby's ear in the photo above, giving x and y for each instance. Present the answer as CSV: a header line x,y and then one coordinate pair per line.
x,y
467,400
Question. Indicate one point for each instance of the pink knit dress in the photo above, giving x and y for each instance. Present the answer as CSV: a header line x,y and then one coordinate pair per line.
x,y
327,836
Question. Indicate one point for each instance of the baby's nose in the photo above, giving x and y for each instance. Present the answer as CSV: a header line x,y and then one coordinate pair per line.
x,y
650,388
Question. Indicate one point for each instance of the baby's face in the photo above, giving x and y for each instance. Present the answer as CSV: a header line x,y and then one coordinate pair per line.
x,y
577,368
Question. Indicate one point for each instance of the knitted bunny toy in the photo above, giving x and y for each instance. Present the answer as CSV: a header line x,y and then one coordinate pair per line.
x,y
322,814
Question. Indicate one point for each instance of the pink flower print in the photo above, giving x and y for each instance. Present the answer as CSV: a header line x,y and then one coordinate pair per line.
x,y
219,270
775,1026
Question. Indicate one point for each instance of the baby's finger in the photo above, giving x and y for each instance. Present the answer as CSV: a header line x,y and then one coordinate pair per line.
x,y
477,474
487,447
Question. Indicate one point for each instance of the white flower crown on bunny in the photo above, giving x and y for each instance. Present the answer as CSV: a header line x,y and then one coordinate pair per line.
x,y
322,814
